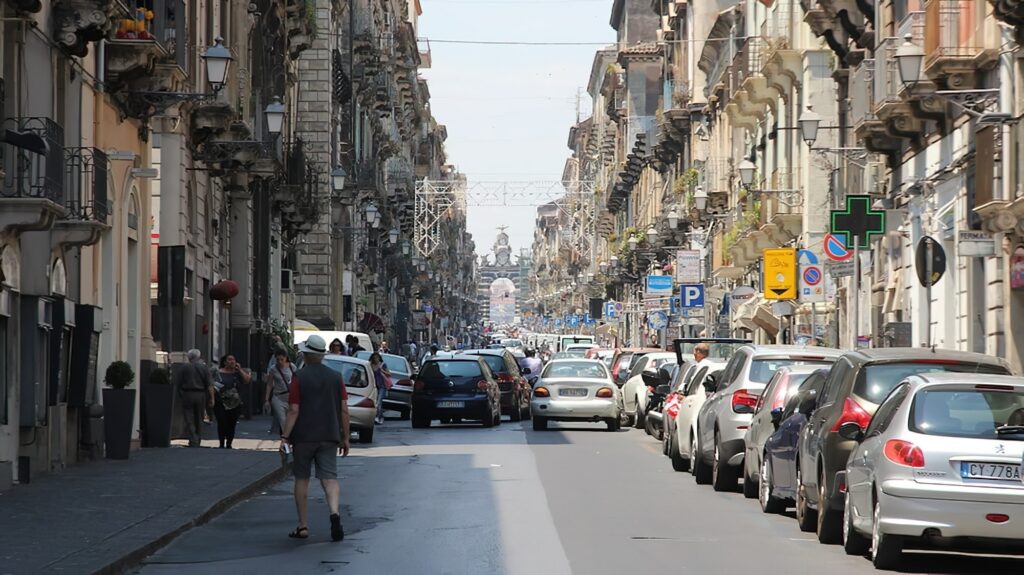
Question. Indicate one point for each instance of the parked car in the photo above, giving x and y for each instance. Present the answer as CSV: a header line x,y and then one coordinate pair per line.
x,y
941,460
459,387
634,391
777,473
362,393
858,382
624,360
724,417
683,436
767,417
515,388
674,400
576,390
399,397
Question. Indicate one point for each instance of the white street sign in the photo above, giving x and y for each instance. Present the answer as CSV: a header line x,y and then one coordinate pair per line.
x,y
975,244
688,267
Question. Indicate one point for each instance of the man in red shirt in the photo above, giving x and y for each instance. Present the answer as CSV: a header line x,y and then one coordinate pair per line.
x,y
317,429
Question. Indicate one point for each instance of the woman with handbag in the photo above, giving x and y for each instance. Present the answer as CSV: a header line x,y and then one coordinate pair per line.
x,y
229,401
382,377
275,399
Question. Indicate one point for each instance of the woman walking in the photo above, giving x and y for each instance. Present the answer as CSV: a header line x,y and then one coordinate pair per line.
x,y
229,401
279,381
336,348
382,377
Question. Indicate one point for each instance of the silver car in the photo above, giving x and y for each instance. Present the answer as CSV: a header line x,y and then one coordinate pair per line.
x,y
940,459
725,416
576,390
362,393
399,397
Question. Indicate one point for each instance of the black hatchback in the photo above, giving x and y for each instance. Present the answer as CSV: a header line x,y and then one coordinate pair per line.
x,y
456,388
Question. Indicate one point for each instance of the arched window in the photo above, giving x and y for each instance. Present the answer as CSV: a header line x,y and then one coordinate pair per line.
x,y
133,210
58,278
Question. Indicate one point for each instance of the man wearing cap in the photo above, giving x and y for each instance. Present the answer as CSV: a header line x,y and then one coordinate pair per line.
x,y
317,429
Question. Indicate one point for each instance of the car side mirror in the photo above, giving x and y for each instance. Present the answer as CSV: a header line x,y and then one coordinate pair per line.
x,y
710,384
776,417
851,431
663,389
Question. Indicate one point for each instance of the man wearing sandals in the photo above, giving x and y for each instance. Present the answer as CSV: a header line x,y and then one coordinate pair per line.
x,y
317,429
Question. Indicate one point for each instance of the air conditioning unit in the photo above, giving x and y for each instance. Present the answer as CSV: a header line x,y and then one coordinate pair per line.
x,y
875,181
287,280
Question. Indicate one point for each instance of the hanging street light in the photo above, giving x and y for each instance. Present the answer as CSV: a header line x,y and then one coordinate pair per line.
x,y
909,57
393,236
217,58
275,116
809,122
652,235
338,177
700,199
747,170
632,241
673,218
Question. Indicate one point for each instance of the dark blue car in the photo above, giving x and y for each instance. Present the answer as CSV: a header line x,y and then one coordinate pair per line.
x,y
778,478
454,389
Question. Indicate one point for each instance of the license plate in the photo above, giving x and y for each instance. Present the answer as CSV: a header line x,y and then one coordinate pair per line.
x,y
451,404
573,392
998,471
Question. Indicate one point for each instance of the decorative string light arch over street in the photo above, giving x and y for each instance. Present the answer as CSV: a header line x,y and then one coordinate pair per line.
x,y
575,200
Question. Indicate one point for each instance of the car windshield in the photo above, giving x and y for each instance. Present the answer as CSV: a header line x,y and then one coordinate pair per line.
x,y
441,370
353,374
876,381
495,362
580,369
717,350
511,343
395,364
579,352
971,413
762,370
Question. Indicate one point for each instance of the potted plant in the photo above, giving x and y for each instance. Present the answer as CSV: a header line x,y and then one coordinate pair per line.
x,y
157,395
118,409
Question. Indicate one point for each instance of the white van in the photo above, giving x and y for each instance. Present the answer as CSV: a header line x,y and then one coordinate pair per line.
x,y
300,335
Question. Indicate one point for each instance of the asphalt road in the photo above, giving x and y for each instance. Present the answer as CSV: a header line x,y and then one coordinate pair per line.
x,y
578,499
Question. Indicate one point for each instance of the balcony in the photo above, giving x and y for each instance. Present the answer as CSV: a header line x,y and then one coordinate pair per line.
x,y
867,127
86,172
889,104
152,48
78,22
749,95
32,168
782,64
958,42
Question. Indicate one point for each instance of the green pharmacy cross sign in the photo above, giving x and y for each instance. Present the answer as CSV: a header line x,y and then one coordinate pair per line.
x,y
858,222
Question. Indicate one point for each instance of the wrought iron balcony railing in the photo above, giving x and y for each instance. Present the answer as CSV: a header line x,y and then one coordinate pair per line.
x,y
32,159
85,184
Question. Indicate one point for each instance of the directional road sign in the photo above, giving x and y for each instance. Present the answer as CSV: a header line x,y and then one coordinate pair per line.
x,y
780,273
858,222
691,295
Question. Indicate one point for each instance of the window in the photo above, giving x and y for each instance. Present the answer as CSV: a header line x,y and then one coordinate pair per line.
x,y
834,381
762,370
732,369
874,382
694,384
353,374
580,369
967,412
887,411
439,370
638,367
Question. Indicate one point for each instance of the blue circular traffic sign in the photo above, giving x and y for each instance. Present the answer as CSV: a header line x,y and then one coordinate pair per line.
x,y
812,276
836,249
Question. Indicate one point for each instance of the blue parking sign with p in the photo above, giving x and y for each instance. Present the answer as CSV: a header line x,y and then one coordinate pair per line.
x,y
691,295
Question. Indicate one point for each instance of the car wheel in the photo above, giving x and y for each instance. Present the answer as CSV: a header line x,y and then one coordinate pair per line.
x,y
419,422
769,503
613,423
366,435
517,411
886,550
701,471
666,443
527,414
649,427
806,518
829,528
750,484
638,417
723,477
405,413
540,423
497,417
853,542
678,462
488,420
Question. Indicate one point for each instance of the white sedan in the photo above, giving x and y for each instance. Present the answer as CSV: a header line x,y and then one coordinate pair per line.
x,y
576,390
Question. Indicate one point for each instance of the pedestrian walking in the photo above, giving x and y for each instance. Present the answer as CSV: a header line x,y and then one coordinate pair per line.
x,y
317,428
382,378
228,405
337,347
279,379
195,391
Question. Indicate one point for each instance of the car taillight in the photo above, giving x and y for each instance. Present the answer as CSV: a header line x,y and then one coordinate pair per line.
x,y
420,385
505,378
482,385
852,413
541,392
903,452
366,402
605,392
742,397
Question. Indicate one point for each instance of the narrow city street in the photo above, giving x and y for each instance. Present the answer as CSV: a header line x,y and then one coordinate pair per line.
x,y
578,499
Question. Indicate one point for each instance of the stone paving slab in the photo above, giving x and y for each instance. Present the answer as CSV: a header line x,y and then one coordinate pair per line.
x,y
107,516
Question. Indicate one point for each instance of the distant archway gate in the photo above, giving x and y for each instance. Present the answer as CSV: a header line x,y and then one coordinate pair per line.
x,y
575,199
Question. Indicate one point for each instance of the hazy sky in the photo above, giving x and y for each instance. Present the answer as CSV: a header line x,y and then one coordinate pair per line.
x,y
508,109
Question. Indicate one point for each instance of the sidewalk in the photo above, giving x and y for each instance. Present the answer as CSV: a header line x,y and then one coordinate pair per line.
x,y
106,516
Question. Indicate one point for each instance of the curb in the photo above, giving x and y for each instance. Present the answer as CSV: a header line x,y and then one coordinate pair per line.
x,y
134,558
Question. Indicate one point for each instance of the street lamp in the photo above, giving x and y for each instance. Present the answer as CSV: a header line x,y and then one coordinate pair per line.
x,y
338,176
217,59
700,199
673,218
809,122
372,215
406,247
652,235
603,266
909,57
747,169
613,261
632,241
274,115
393,236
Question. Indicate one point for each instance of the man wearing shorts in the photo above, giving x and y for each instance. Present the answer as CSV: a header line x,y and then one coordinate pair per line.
x,y
317,428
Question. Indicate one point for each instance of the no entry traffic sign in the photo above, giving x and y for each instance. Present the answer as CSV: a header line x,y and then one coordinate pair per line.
x,y
812,275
